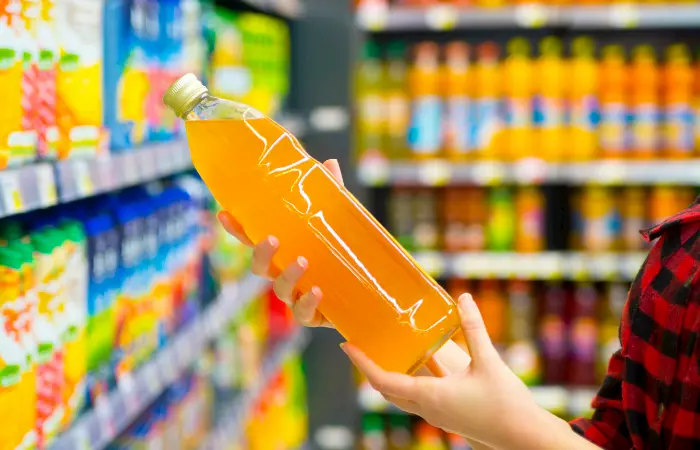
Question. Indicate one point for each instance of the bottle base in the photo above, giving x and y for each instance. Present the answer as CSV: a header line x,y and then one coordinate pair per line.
x,y
427,355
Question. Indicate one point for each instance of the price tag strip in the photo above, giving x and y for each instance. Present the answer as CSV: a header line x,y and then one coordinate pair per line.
x,y
10,188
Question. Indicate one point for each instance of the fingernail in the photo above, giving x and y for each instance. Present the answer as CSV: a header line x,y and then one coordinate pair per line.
x,y
317,292
303,263
273,241
344,348
465,302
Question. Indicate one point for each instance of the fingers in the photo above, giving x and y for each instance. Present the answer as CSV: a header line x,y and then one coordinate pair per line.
x,y
285,285
233,228
333,166
388,383
449,359
306,309
262,257
478,341
403,404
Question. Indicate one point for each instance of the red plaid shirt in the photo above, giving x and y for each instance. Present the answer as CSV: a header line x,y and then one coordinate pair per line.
x,y
650,398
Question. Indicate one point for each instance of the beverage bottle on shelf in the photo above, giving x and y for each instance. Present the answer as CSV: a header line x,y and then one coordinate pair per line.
x,y
457,287
576,229
456,75
634,218
488,123
396,100
425,133
583,100
549,109
644,99
400,437
696,105
613,102
426,231
501,225
583,335
402,218
371,104
464,214
373,436
493,306
663,203
11,77
611,315
600,224
530,212
521,353
677,90
46,125
552,333
312,214
518,92
428,438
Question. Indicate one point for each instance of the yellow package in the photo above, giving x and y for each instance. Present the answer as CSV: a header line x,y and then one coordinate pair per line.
x,y
10,79
79,78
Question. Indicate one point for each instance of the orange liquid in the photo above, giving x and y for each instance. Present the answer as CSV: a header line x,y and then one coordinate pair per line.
x,y
373,291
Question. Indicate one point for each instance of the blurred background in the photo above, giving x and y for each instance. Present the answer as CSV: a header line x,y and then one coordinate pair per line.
x,y
514,148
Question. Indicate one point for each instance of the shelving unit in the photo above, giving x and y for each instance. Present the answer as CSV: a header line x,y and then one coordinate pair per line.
x,y
378,19
112,415
577,266
441,172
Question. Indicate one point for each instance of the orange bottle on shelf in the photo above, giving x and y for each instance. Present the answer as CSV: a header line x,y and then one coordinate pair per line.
x,y
633,206
644,99
456,76
696,105
530,232
677,97
493,306
613,102
487,126
425,132
375,294
521,354
583,101
518,82
551,94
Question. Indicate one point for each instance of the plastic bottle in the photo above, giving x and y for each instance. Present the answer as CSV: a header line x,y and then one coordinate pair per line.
x,y
696,105
613,103
349,253
24,140
49,53
488,123
429,438
583,336
600,225
425,134
464,217
550,100
397,104
677,91
493,306
664,203
530,224
583,101
400,432
633,205
518,83
611,315
402,217
371,103
426,230
457,102
501,225
521,353
553,334
644,97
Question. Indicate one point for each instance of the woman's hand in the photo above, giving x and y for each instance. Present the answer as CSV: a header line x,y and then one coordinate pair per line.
x,y
284,282
484,402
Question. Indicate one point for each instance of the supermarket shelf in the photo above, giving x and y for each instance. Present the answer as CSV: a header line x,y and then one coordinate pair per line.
x,y
378,18
564,401
439,172
99,427
41,185
229,428
578,266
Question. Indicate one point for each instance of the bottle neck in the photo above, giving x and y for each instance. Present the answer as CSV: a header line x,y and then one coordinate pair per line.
x,y
194,109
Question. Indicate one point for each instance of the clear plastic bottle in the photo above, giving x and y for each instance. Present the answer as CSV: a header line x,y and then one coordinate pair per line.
x,y
374,293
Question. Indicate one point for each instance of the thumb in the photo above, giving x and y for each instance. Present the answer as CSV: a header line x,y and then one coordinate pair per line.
x,y
478,341
334,168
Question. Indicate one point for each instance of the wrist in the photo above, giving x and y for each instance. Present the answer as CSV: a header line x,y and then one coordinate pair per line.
x,y
538,429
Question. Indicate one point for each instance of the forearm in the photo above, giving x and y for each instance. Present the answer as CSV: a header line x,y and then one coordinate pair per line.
x,y
544,431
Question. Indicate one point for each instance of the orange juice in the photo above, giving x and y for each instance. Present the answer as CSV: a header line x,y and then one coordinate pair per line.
x,y
457,103
613,102
677,96
425,131
373,291
530,231
494,307
518,89
644,80
583,101
551,81
487,92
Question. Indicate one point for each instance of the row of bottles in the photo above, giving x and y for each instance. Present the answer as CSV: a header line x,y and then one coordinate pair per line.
x,y
477,102
401,432
550,333
514,219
